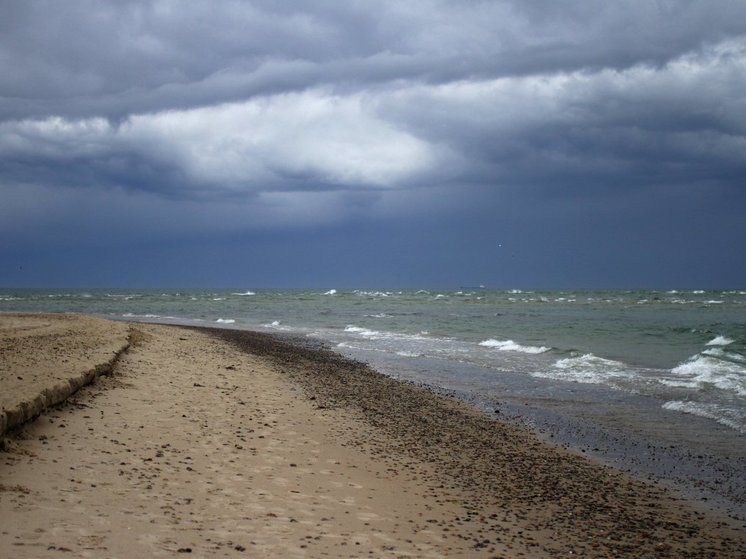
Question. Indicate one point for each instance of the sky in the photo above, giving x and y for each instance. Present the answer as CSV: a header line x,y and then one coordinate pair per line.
x,y
348,143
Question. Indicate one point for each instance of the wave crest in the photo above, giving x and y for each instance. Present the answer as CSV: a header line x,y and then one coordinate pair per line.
x,y
510,345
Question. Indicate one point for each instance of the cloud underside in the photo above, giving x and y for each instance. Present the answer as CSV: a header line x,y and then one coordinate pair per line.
x,y
643,120
275,116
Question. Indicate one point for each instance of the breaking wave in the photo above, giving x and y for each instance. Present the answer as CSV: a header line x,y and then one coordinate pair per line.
x,y
510,345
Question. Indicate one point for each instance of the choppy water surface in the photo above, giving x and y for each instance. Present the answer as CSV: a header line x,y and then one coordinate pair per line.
x,y
665,364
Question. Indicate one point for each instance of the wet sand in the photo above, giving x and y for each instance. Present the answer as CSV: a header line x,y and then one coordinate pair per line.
x,y
230,443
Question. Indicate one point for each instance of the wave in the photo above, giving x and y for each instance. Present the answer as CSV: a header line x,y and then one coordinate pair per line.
x,y
510,345
245,293
365,332
225,321
408,354
587,369
702,371
360,293
331,292
734,419
726,355
720,340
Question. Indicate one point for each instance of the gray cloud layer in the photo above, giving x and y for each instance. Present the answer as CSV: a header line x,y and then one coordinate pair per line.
x,y
304,114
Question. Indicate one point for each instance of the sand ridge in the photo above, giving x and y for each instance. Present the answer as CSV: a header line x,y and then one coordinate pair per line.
x,y
44,358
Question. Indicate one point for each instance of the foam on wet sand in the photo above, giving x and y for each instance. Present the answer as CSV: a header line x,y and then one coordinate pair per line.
x,y
230,443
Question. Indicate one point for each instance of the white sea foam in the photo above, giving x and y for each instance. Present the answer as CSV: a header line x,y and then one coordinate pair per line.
x,y
510,345
365,332
588,368
703,370
713,302
408,354
225,321
725,416
372,293
245,293
720,340
727,355
331,292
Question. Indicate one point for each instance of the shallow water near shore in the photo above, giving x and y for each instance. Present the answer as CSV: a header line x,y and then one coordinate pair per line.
x,y
652,381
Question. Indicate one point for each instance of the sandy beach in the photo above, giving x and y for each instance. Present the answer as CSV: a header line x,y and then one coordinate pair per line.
x,y
240,444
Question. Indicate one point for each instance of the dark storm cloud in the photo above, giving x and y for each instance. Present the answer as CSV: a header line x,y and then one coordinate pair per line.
x,y
115,58
183,119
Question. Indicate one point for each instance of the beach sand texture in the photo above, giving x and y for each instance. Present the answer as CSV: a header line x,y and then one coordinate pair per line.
x,y
44,358
238,444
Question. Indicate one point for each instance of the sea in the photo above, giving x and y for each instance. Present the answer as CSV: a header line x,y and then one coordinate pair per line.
x,y
653,381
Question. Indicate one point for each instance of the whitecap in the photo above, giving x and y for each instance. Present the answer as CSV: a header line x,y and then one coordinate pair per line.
x,y
245,293
361,331
720,340
225,321
510,345
372,293
331,292
722,354
703,370
408,354
587,368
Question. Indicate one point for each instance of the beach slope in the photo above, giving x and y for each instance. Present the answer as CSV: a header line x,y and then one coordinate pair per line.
x,y
230,444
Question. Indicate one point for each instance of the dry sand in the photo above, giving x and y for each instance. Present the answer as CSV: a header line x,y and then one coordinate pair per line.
x,y
238,444
46,357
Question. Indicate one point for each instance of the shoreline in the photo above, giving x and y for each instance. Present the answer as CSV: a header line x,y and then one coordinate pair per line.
x,y
489,487
698,467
